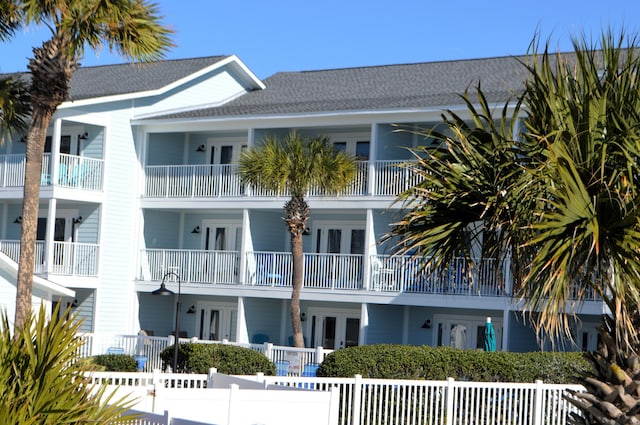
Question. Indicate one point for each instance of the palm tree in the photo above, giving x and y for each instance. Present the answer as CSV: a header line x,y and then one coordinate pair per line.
x,y
464,205
583,124
130,27
15,108
293,166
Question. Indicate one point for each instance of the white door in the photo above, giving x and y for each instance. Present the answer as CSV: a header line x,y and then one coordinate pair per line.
x,y
222,154
216,322
334,330
343,270
465,333
224,239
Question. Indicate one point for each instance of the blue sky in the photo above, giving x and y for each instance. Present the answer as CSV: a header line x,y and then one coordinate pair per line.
x,y
284,35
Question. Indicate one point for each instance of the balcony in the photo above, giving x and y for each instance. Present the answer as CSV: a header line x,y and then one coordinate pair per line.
x,y
329,272
75,172
373,178
69,258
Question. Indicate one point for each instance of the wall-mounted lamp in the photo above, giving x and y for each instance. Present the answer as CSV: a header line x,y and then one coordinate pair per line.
x,y
306,231
201,148
303,316
192,310
196,230
76,220
74,304
83,136
18,220
426,324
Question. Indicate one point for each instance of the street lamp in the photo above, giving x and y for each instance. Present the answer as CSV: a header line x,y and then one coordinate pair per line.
x,y
164,291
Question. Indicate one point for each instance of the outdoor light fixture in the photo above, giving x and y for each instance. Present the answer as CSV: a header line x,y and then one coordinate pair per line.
x,y
164,291
201,148
196,230
18,220
426,324
77,220
83,136
192,310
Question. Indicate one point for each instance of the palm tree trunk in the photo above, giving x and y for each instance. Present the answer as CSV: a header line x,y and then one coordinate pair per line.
x,y
33,167
296,283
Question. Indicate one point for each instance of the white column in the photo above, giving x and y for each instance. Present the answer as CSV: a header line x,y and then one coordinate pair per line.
x,y
246,245
373,156
51,226
505,328
55,151
369,250
242,333
364,323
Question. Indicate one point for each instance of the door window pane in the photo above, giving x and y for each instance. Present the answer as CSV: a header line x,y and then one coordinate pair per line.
x,y
362,151
357,241
329,332
458,335
214,325
226,154
352,332
334,242
220,239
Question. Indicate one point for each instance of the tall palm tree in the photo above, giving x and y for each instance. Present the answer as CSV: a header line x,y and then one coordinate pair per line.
x,y
293,166
15,108
129,27
583,120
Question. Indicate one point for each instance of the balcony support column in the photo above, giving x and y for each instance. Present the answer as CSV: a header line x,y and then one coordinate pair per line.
x,y
364,324
372,181
369,250
55,152
49,240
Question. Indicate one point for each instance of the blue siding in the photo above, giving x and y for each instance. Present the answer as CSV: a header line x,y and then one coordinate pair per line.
x,y
161,229
263,316
85,308
165,149
93,147
269,231
385,324
89,228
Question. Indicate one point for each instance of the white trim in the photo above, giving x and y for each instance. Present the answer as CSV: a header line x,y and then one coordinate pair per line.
x,y
250,78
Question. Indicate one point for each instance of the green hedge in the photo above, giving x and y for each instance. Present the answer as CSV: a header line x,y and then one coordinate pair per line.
x,y
229,359
115,362
439,363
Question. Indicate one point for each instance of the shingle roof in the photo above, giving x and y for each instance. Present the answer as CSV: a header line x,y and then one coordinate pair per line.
x,y
120,79
389,87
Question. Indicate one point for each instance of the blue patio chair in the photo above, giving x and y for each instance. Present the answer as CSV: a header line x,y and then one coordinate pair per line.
x,y
282,367
260,338
310,370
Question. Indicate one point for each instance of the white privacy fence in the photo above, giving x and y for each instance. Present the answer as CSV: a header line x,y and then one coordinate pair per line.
x,y
365,401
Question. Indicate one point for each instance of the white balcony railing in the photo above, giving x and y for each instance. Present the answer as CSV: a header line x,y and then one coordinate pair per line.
x,y
206,181
196,266
76,172
69,258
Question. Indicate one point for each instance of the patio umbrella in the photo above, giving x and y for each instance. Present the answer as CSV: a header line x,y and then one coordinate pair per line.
x,y
489,336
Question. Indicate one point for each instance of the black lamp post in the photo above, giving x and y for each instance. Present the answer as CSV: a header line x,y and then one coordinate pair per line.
x,y
164,291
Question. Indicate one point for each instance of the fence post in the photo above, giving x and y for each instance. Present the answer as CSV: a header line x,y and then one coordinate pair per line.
x,y
167,418
357,400
537,404
268,350
449,402
155,378
233,394
319,354
212,372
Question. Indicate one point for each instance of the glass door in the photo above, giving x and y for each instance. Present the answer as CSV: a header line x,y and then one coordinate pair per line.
x,y
344,269
335,330
216,322
222,155
222,242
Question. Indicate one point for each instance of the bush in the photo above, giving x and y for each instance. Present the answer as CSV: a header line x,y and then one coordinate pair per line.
x,y
115,362
229,359
439,363
41,381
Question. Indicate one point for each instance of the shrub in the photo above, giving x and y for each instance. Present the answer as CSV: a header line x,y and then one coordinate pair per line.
x,y
116,362
439,363
41,381
229,359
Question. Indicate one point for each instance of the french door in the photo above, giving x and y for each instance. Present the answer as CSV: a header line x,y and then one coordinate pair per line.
x,y
344,271
223,265
216,321
465,333
222,154
334,330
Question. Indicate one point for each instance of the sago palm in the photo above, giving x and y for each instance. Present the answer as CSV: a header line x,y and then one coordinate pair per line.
x,y
583,124
129,27
293,166
41,381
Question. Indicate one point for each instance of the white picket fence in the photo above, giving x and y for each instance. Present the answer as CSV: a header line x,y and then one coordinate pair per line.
x,y
365,401
150,347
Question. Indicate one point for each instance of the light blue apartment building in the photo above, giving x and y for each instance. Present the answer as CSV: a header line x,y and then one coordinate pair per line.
x,y
139,183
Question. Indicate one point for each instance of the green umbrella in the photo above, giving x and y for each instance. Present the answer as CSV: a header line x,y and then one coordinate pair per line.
x,y
489,336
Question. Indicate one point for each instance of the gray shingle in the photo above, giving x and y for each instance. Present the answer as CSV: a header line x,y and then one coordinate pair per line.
x,y
109,80
420,85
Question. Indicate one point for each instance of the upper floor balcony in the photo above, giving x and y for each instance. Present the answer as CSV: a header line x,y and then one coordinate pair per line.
x,y
66,259
373,178
73,172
